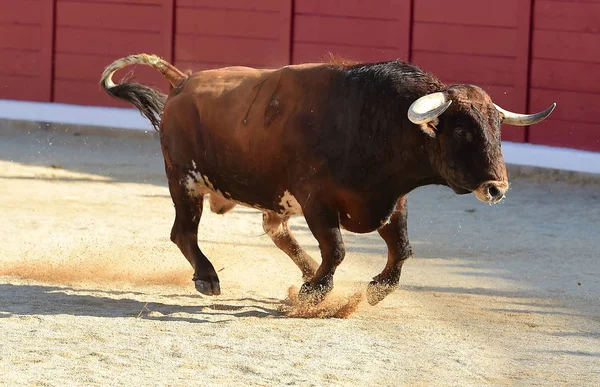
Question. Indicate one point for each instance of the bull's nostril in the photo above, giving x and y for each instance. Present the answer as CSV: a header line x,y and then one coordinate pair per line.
x,y
495,192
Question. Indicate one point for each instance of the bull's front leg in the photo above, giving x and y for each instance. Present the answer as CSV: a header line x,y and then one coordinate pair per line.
x,y
395,235
325,226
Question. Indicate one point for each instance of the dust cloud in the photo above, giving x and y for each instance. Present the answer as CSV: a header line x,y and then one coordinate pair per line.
x,y
87,267
335,305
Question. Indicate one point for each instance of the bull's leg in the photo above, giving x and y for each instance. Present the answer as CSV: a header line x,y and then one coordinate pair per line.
x,y
188,211
325,226
278,229
395,235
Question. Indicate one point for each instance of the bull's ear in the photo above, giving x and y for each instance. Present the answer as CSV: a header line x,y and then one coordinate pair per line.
x,y
430,128
426,110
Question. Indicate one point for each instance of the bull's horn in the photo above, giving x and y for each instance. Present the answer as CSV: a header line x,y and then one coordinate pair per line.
x,y
428,108
516,119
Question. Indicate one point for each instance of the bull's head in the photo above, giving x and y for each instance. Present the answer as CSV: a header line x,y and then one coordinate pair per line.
x,y
467,152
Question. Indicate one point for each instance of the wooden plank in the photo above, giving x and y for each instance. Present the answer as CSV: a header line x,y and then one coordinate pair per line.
x,y
21,12
468,12
236,51
28,32
320,52
479,70
574,16
572,106
141,2
404,25
459,39
168,29
110,43
513,133
21,88
212,34
286,14
81,67
89,68
217,22
46,59
523,55
254,5
360,32
128,16
564,133
355,32
577,46
22,37
384,9
565,69
563,75
21,63
90,35
83,93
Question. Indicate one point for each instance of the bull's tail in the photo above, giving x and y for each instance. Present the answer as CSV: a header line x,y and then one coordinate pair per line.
x,y
148,101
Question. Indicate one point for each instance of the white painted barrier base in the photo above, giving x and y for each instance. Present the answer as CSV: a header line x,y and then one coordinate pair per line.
x,y
119,118
60,113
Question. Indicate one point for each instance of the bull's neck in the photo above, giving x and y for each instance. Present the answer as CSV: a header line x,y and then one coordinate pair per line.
x,y
412,160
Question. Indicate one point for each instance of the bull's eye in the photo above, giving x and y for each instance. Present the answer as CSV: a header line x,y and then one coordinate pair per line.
x,y
463,134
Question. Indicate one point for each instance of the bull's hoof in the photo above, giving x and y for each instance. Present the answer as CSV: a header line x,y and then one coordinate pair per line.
x,y
314,294
209,288
377,291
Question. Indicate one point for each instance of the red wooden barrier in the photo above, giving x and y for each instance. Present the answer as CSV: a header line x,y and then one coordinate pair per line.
x,y
90,35
26,33
57,49
565,68
211,34
351,29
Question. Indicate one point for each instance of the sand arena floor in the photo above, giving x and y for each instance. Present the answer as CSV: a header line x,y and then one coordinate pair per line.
x,y
92,292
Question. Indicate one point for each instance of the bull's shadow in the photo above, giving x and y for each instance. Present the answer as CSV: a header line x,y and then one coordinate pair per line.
x,y
59,300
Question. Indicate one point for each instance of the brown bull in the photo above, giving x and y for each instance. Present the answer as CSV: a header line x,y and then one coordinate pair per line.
x,y
339,144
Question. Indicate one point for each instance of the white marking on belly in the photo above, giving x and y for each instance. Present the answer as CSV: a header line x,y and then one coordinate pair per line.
x,y
289,204
348,215
199,185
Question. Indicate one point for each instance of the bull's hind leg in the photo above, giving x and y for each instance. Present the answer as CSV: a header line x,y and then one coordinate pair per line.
x,y
188,211
395,235
278,229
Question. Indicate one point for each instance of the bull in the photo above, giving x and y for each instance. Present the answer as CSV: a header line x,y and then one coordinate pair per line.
x,y
341,144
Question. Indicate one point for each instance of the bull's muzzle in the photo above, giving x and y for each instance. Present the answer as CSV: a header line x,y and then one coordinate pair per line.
x,y
491,191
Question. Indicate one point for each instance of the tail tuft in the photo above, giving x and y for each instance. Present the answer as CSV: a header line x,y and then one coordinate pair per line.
x,y
148,101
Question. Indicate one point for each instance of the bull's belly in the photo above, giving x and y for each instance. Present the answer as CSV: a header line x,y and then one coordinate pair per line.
x,y
221,200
